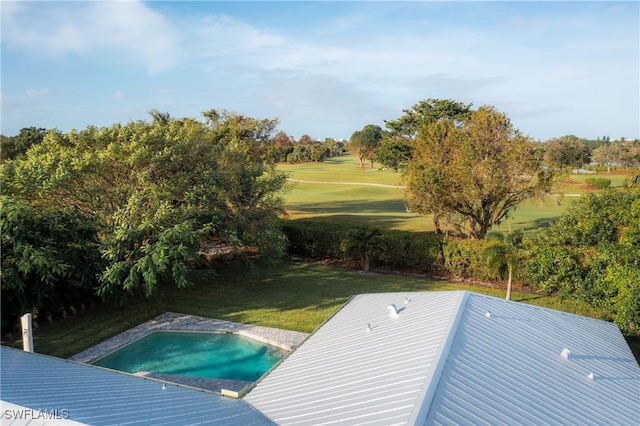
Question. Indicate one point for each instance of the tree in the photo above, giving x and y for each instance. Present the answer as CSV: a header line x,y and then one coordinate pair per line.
x,y
473,173
566,152
501,253
426,112
49,260
334,148
363,142
305,140
158,191
283,139
393,152
159,118
12,146
606,155
395,149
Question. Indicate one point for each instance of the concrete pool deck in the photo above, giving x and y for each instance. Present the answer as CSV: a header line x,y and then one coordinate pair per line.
x,y
171,321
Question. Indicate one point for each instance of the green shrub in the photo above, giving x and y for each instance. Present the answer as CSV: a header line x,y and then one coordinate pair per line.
x,y
317,240
463,258
600,183
406,249
398,249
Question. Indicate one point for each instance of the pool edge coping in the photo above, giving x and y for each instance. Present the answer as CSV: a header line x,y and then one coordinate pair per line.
x,y
171,321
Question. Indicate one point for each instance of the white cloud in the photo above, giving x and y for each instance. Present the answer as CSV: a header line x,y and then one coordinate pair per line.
x,y
126,30
118,95
36,93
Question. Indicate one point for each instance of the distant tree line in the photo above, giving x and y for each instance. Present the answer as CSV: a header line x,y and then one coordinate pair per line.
x,y
284,148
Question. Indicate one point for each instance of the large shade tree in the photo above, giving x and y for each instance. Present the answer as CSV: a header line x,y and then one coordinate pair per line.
x,y
157,191
364,142
396,147
566,152
473,173
426,112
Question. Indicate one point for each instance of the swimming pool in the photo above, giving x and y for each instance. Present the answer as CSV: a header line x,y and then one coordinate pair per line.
x,y
195,354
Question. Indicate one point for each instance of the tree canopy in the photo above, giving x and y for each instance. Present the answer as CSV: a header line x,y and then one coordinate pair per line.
x,y
396,147
364,142
153,193
566,151
473,173
426,112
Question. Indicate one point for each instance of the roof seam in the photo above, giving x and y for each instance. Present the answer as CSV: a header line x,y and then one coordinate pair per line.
x,y
433,380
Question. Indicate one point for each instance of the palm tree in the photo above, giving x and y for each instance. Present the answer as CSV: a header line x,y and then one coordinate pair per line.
x,y
500,253
363,242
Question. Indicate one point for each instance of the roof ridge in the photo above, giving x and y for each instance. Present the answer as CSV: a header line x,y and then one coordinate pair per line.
x,y
433,378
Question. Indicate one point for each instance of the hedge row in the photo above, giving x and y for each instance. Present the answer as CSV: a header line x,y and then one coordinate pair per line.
x,y
423,252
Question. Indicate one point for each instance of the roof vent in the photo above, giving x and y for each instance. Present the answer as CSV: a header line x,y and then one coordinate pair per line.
x,y
406,300
565,353
591,376
393,311
368,327
488,315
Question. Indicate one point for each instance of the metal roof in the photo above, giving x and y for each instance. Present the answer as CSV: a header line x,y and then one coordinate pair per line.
x,y
95,396
346,374
509,369
444,360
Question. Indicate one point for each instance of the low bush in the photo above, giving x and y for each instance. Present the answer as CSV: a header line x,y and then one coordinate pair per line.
x,y
600,183
463,258
317,240
398,249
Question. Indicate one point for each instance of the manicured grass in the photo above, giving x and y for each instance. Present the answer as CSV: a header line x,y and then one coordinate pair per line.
x,y
374,206
576,183
294,296
383,206
345,168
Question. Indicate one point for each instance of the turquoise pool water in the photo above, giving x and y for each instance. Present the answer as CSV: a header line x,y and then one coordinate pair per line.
x,y
208,355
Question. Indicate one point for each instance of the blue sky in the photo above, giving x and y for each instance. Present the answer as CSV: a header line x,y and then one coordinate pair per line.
x,y
325,69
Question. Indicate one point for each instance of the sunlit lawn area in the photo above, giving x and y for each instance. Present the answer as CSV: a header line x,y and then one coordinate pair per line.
x,y
295,296
383,206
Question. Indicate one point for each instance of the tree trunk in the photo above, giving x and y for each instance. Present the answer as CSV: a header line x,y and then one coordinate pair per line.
x,y
508,297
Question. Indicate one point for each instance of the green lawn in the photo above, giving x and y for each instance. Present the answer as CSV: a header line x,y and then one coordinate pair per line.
x,y
294,296
345,168
384,206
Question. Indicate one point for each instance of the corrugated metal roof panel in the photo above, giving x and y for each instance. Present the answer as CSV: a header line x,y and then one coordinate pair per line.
x,y
100,397
508,369
346,374
442,361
